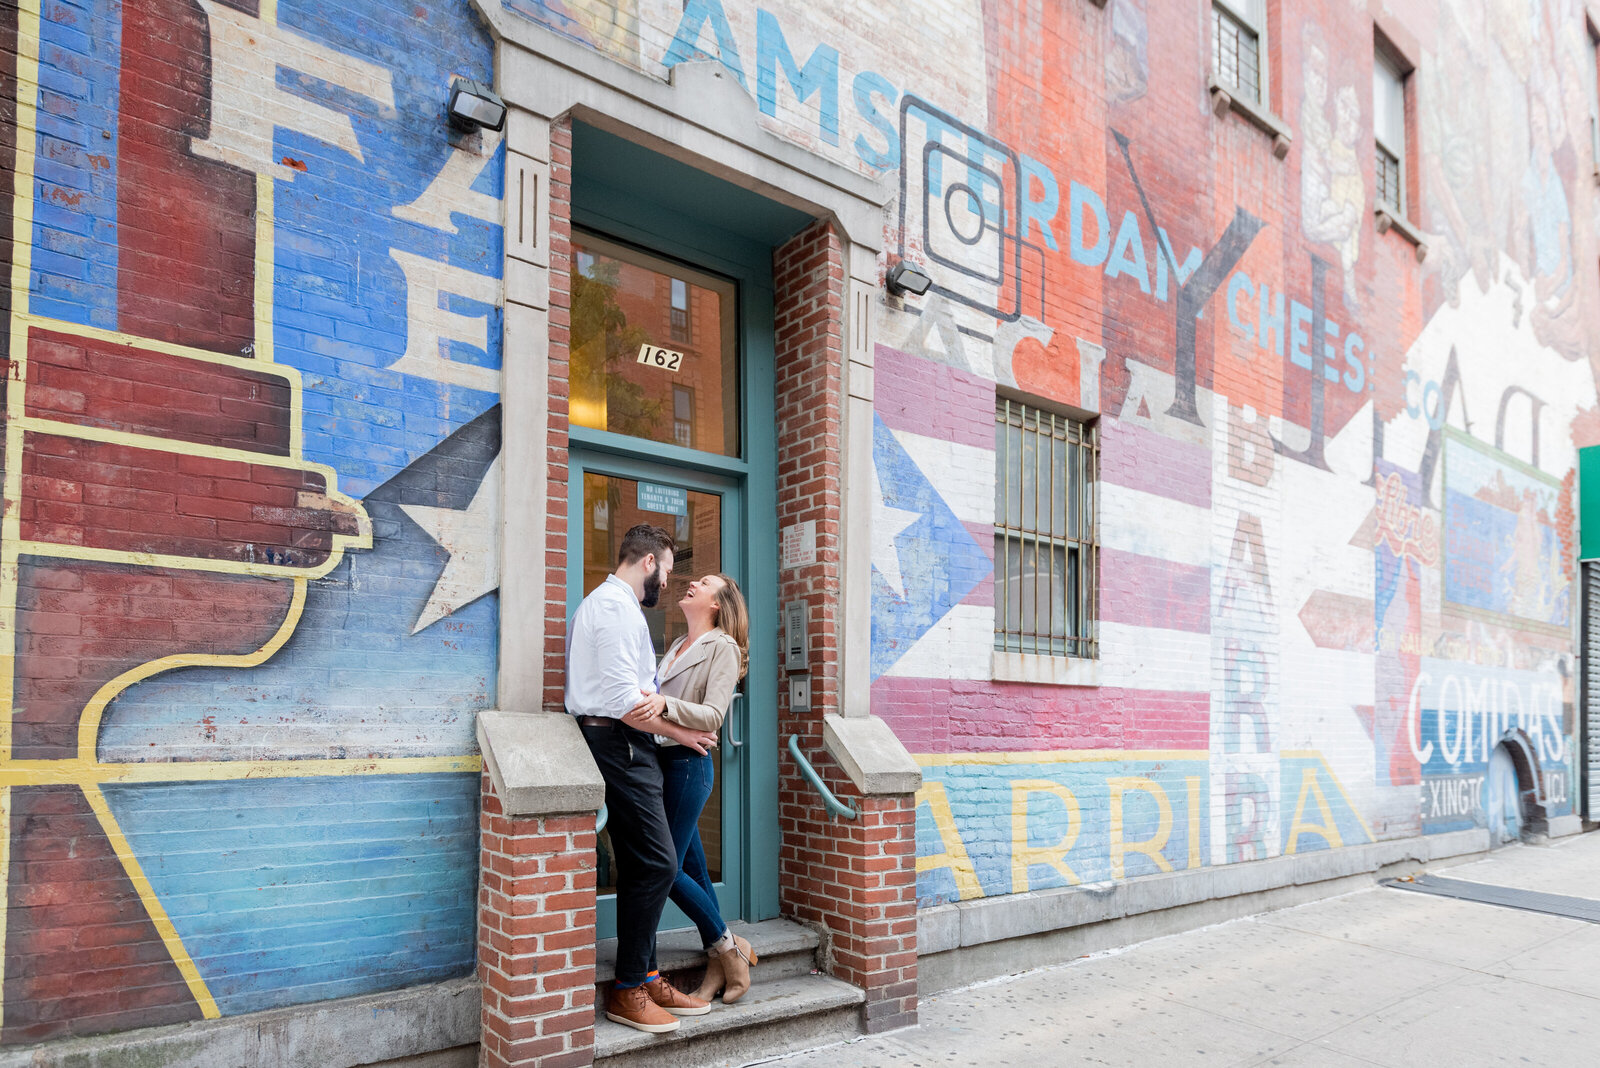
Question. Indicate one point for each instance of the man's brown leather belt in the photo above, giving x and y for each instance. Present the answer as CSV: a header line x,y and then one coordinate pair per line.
x,y
598,721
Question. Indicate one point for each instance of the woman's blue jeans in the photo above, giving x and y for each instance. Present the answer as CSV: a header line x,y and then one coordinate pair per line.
x,y
686,784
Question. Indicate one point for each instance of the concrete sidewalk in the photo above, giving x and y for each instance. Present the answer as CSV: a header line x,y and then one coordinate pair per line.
x,y
1380,977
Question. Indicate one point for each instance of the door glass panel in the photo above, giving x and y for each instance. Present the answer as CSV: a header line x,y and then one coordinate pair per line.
x,y
654,348
612,504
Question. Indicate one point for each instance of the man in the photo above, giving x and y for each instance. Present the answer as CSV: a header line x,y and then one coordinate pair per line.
x,y
611,663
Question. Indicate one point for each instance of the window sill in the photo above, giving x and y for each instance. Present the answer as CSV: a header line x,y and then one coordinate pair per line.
x,y
1387,220
1044,670
1223,100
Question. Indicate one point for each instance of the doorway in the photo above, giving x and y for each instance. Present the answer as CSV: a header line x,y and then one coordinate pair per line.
x,y
671,423
1503,797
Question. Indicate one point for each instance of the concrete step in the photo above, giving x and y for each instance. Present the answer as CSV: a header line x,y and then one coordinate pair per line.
x,y
776,1016
784,948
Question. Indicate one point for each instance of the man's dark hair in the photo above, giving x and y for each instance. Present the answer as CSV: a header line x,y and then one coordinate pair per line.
x,y
642,540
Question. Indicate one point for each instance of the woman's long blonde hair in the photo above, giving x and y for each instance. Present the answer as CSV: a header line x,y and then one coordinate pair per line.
x,y
734,619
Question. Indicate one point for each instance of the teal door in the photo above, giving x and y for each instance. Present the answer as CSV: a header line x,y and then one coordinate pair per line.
x,y
668,427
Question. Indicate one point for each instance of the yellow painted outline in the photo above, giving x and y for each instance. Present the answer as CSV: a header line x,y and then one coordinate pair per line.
x,y
83,772
1059,756
152,904
133,439
291,375
53,551
5,870
1316,754
26,143
94,711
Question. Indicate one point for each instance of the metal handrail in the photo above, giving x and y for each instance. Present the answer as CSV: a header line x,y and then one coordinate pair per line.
x,y
834,806
601,817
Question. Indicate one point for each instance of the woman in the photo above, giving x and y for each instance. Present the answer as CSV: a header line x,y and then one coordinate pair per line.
x,y
695,682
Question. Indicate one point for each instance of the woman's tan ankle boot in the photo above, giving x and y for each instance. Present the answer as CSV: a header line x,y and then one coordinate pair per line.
x,y
736,964
713,980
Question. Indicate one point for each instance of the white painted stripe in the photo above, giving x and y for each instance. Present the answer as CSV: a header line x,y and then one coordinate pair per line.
x,y
1153,658
1138,522
962,474
1142,658
957,647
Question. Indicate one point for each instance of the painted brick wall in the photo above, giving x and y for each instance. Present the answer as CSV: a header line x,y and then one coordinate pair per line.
x,y
252,344
246,574
1300,621
1308,638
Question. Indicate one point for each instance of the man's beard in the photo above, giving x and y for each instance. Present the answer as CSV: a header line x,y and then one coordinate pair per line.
x,y
652,589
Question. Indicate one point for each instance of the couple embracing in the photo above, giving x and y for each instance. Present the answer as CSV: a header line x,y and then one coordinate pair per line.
x,y
650,728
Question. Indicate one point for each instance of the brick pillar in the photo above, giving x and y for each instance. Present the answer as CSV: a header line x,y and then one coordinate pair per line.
x,y
536,934
856,878
558,369
536,891
808,312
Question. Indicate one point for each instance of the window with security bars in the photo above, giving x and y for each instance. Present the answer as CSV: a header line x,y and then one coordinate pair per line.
x,y
1236,35
1389,131
1389,180
1045,538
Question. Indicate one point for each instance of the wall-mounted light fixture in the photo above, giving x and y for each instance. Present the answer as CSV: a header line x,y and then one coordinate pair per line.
x,y
474,106
903,278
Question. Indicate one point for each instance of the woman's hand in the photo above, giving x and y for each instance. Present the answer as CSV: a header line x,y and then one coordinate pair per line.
x,y
650,707
700,741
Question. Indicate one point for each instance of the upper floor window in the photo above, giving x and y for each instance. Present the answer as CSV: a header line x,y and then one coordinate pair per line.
x,y
680,310
1239,48
1045,540
1389,130
683,416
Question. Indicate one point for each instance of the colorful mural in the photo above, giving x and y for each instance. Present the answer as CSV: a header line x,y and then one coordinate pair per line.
x,y
251,415
248,557
1332,459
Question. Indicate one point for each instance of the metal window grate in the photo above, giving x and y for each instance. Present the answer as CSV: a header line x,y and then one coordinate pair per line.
x,y
1389,180
1046,542
1236,55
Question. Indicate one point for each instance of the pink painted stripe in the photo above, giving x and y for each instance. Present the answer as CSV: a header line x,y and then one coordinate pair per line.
x,y
1146,592
928,398
1139,458
939,716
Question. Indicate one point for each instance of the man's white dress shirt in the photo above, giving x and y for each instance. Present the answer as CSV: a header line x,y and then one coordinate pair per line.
x,y
610,657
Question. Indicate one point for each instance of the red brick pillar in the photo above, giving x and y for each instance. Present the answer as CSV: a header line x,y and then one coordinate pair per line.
x,y
855,878
877,948
858,879
536,894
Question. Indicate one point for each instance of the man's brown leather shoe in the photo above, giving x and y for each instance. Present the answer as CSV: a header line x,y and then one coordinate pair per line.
x,y
634,1008
674,1000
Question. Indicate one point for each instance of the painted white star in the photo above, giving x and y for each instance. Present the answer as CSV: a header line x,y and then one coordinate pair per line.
x,y
887,525
468,535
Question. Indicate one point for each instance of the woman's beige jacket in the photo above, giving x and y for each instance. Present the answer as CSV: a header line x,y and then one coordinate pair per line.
x,y
699,686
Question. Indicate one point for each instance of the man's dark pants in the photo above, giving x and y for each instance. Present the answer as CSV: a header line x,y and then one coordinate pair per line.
x,y
640,838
